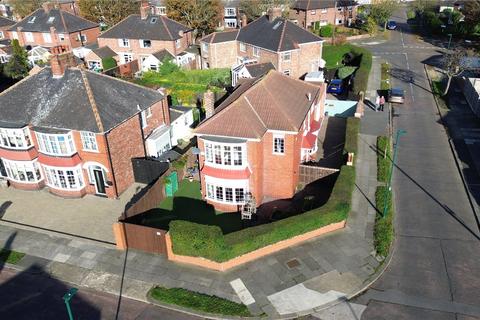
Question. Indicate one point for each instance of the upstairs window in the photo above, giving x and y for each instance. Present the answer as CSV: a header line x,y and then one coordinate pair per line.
x,y
124,43
28,37
89,141
178,43
204,47
56,144
224,155
243,47
278,144
313,12
256,52
162,10
47,37
145,43
286,56
61,37
15,138
230,12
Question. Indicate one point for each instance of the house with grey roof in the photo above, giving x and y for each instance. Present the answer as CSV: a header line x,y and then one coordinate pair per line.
x,y
253,70
292,50
50,27
315,14
5,24
75,132
139,36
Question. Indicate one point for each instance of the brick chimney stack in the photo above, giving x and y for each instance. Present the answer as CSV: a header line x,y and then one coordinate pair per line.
x,y
274,13
144,10
47,6
60,61
209,103
244,21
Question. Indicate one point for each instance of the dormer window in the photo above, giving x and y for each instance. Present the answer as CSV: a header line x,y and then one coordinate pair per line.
x,y
32,19
51,19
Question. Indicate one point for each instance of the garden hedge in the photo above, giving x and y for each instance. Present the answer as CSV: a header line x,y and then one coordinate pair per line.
x,y
351,135
360,81
383,163
197,240
383,232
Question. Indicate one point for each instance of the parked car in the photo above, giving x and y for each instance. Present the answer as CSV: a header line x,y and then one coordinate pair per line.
x,y
391,25
396,95
335,86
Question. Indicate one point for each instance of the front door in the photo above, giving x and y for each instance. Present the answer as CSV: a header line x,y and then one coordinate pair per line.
x,y
99,181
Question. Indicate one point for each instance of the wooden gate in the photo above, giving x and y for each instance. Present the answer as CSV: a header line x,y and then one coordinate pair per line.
x,y
143,238
172,184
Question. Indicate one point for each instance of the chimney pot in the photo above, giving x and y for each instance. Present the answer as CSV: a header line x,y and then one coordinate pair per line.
x,y
244,20
60,61
144,10
209,103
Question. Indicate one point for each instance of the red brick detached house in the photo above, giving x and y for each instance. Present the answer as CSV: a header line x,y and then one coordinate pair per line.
x,y
50,27
256,139
75,131
308,13
292,50
137,37
5,24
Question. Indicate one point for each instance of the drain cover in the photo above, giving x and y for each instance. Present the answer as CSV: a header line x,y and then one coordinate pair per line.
x,y
294,263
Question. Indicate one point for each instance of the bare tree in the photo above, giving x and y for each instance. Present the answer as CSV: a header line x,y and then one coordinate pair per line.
x,y
454,63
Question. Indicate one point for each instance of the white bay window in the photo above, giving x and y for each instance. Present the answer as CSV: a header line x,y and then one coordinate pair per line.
x,y
64,178
15,138
56,144
225,155
23,171
226,191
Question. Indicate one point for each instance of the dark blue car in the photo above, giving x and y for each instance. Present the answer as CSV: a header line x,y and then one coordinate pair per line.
x,y
335,86
391,25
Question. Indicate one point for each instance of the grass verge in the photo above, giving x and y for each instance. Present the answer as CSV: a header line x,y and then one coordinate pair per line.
x,y
385,81
383,158
383,231
199,301
10,256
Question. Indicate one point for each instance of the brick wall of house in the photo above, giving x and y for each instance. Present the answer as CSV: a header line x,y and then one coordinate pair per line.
x,y
307,19
264,56
256,165
125,142
70,39
160,115
222,55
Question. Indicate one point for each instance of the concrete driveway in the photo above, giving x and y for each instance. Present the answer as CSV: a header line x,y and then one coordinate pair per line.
x,y
90,217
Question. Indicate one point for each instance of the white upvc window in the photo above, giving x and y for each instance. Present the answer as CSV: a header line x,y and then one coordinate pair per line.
x,y
64,178
89,141
15,138
279,144
124,43
61,37
286,56
143,118
23,171
178,43
225,155
15,35
205,47
226,191
161,11
231,24
148,112
243,47
82,38
230,12
256,52
47,37
313,12
56,144
127,57
28,37
145,43
2,35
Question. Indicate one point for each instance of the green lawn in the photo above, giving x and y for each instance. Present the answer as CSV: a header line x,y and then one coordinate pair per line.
x,y
10,256
187,204
334,54
199,301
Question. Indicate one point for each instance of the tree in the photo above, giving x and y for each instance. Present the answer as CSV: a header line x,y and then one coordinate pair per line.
x,y
23,8
454,63
471,12
371,26
382,10
109,12
201,15
17,67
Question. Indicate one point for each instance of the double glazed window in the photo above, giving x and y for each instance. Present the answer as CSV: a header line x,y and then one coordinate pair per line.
x,y
145,43
23,171
64,178
279,145
220,193
124,43
15,138
89,141
56,144
224,155
286,56
47,37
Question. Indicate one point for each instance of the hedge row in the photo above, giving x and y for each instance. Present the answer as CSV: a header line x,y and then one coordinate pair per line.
x,y
360,82
383,158
351,135
383,231
197,240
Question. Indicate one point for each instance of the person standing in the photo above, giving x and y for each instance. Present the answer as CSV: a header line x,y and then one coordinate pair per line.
x,y
382,102
377,103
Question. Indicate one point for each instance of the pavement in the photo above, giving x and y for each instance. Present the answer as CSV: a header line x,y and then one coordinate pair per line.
x,y
434,273
299,280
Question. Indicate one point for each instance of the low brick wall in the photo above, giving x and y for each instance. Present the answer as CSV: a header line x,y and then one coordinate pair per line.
x,y
351,38
223,266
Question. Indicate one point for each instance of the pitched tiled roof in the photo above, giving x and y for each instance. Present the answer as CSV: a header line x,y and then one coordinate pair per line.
x,y
259,69
41,21
153,28
277,35
321,4
274,102
50,102
4,22
104,52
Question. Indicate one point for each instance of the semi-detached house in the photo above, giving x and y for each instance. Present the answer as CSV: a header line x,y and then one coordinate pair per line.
x,y
75,131
293,50
315,13
255,140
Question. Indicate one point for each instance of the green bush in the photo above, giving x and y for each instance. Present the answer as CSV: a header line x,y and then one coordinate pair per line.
x,y
326,31
109,63
383,231
411,14
199,301
360,81
385,82
208,241
351,135
383,158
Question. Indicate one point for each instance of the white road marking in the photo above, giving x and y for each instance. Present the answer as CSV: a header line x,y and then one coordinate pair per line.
x,y
242,292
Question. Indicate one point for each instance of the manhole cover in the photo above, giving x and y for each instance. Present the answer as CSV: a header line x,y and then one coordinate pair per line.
x,y
294,263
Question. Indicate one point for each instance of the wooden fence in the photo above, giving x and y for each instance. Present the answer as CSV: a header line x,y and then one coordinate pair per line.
x,y
133,236
310,173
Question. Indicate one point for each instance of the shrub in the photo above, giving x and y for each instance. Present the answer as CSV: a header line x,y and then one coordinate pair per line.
x,y
167,67
360,82
351,135
383,158
383,231
411,14
326,31
109,63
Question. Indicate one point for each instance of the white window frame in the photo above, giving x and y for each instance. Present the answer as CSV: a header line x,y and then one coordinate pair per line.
x,y
205,47
162,11
216,186
12,138
143,119
15,35
124,57
256,52
29,37
2,35
285,55
47,37
178,43
142,43
53,177
313,12
82,37
15,169
51,144
243,47
231,24
124,43
89,141
230,12
231,158
148,112
275,138
324,10
61,37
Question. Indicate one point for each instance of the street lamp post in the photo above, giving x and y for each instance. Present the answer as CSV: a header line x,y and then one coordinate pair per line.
x,y
400,133
449,40
67,297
